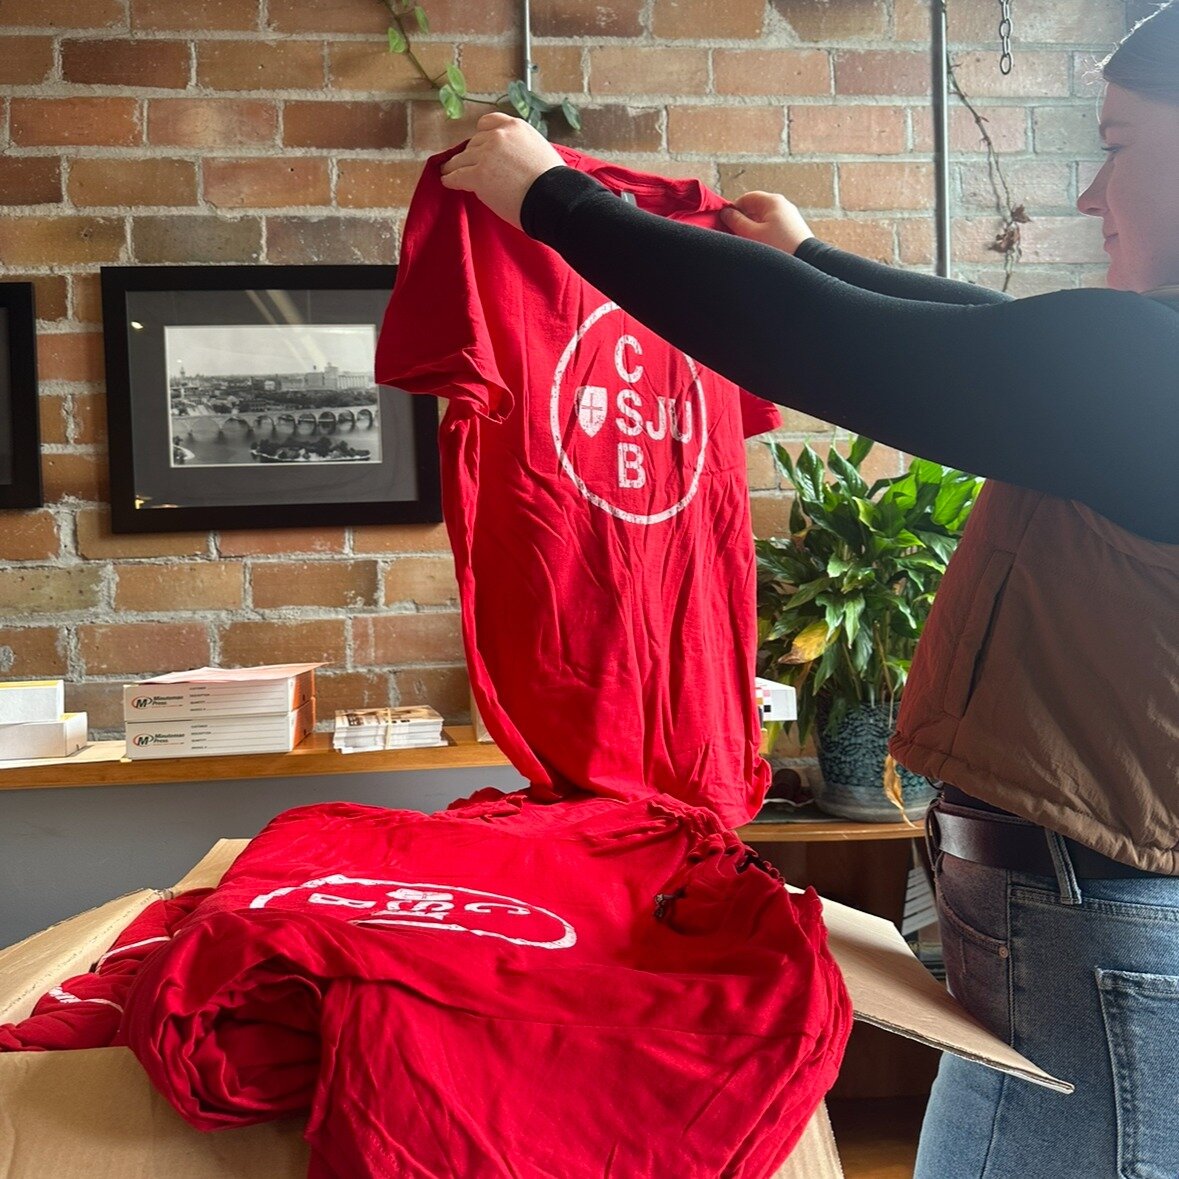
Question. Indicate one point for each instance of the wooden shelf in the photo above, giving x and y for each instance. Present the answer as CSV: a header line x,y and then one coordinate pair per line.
x,y
105,763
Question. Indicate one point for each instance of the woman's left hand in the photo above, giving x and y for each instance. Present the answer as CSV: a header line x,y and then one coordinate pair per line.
x,y
500,162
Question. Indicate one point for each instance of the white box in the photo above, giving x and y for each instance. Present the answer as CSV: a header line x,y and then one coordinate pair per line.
x,y
775,702
26,701
215,691
275,733
56,738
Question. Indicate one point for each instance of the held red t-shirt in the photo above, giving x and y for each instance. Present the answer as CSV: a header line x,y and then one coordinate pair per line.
x,y
596,500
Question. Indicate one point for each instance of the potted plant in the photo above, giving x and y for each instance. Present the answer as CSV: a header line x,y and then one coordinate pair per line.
x,y
842,602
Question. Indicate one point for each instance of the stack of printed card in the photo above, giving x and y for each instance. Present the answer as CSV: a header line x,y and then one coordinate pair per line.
x,y
412,727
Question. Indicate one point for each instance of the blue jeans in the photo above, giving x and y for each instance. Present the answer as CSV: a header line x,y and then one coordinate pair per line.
x,y
1082,977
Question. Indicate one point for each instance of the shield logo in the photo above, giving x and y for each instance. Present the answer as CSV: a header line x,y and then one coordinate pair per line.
x,y
591,408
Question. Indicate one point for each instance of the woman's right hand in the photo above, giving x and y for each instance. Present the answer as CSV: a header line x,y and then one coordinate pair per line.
x,y
769,218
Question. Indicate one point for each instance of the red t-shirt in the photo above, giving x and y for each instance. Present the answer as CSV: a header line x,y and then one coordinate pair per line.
x,y
596,499
582,989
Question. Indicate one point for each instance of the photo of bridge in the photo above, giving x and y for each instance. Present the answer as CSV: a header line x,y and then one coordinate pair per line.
x,y
272,395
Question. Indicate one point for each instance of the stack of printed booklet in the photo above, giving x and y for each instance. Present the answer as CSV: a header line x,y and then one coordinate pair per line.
x,y
412,727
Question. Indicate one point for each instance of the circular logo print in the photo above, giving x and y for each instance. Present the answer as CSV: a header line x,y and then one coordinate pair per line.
x,y
628,419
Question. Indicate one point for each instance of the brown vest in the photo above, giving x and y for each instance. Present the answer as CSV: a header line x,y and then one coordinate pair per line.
x,y
1047,679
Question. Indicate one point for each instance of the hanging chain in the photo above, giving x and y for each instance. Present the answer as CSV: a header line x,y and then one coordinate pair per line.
x,y
1005,60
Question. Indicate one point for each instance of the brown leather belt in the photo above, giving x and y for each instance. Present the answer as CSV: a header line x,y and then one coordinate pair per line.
x,y
1001,841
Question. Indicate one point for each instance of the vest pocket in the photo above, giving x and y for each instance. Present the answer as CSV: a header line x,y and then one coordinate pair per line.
x,y
976,628
1141,1013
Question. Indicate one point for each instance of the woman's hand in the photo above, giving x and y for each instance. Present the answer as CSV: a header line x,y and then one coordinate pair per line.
x,y
500,162
768,218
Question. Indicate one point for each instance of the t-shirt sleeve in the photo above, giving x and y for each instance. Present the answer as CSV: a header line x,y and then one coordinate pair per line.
x,y
758,415
434,338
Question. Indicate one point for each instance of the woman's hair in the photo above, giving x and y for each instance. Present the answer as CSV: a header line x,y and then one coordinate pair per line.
x,y
1147,61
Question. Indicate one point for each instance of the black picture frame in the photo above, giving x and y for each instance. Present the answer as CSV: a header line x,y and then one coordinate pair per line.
x,y
20,425
266,421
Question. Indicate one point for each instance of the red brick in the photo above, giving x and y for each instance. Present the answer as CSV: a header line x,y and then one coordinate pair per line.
x,y
877,72
647,69
126,63
368,65
85,298
610,129
835,20
344,584
916,242
490,68
70,356
279,541
445,688
1041,185
24,61
433,131
725,129
371,125
587,18
327,16
489,18
704,20
1062,240
50,293
350,689
211,122
175,586
33,652
102,702
771,71
872,186
51,413
809,185
196,239
74,473
151,182
96,542
245,644
1006,125
28,590
89,419
260,65
396,639
400,538
266,183
142,648
60,241
428,581
870,239
1036,75
29,536
771,514
30,180
376,184
63,14
198,15
296,241
69,122
860,130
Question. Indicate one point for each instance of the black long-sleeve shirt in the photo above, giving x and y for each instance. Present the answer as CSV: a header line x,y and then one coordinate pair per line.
x,y
1075,393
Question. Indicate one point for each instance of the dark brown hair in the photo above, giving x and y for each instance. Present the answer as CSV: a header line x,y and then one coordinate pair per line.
x,y
1147,60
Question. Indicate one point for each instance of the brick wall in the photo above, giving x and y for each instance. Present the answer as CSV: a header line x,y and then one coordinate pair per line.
x,y
231,131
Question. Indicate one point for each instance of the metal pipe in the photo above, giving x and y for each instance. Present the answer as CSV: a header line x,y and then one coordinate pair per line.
x,y
941,135
529,64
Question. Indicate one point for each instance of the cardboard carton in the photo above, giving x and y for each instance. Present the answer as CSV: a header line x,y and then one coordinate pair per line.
x,y
30,701
92,1114
277,733
34,739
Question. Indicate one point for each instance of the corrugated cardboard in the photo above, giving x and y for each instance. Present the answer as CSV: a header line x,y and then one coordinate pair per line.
x,y
92,1114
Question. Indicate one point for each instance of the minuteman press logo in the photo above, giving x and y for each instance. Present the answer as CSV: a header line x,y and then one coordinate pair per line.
x,y
628,419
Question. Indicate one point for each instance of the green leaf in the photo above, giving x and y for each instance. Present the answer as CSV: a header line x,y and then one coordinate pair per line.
x,y
782,460
519,98
419,14
847,471
451,103
853,610
860,449
457,82
572,115
397,41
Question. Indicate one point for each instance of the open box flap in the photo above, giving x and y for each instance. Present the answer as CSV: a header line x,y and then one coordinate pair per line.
x,y
30,967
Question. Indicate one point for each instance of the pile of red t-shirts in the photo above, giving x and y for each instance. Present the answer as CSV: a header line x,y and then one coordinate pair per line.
x,y
649,1000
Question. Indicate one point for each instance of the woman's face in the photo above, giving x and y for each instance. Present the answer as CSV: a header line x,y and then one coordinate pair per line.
x,y
1136,193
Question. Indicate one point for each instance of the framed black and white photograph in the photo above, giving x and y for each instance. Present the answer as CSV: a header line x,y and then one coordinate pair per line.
x,y
244,397
20,431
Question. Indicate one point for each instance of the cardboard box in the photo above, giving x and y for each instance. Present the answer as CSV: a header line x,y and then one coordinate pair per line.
x,y
28,701
55,738
93,1115
218,735
215,691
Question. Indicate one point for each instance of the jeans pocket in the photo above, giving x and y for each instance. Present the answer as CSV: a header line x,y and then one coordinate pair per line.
x,y
1141,1013
978,970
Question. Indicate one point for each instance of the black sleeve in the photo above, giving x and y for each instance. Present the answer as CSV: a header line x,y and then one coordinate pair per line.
x,y
1072,393
890,280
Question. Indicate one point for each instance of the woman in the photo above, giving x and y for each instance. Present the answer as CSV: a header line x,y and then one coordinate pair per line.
x,y
1045,692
